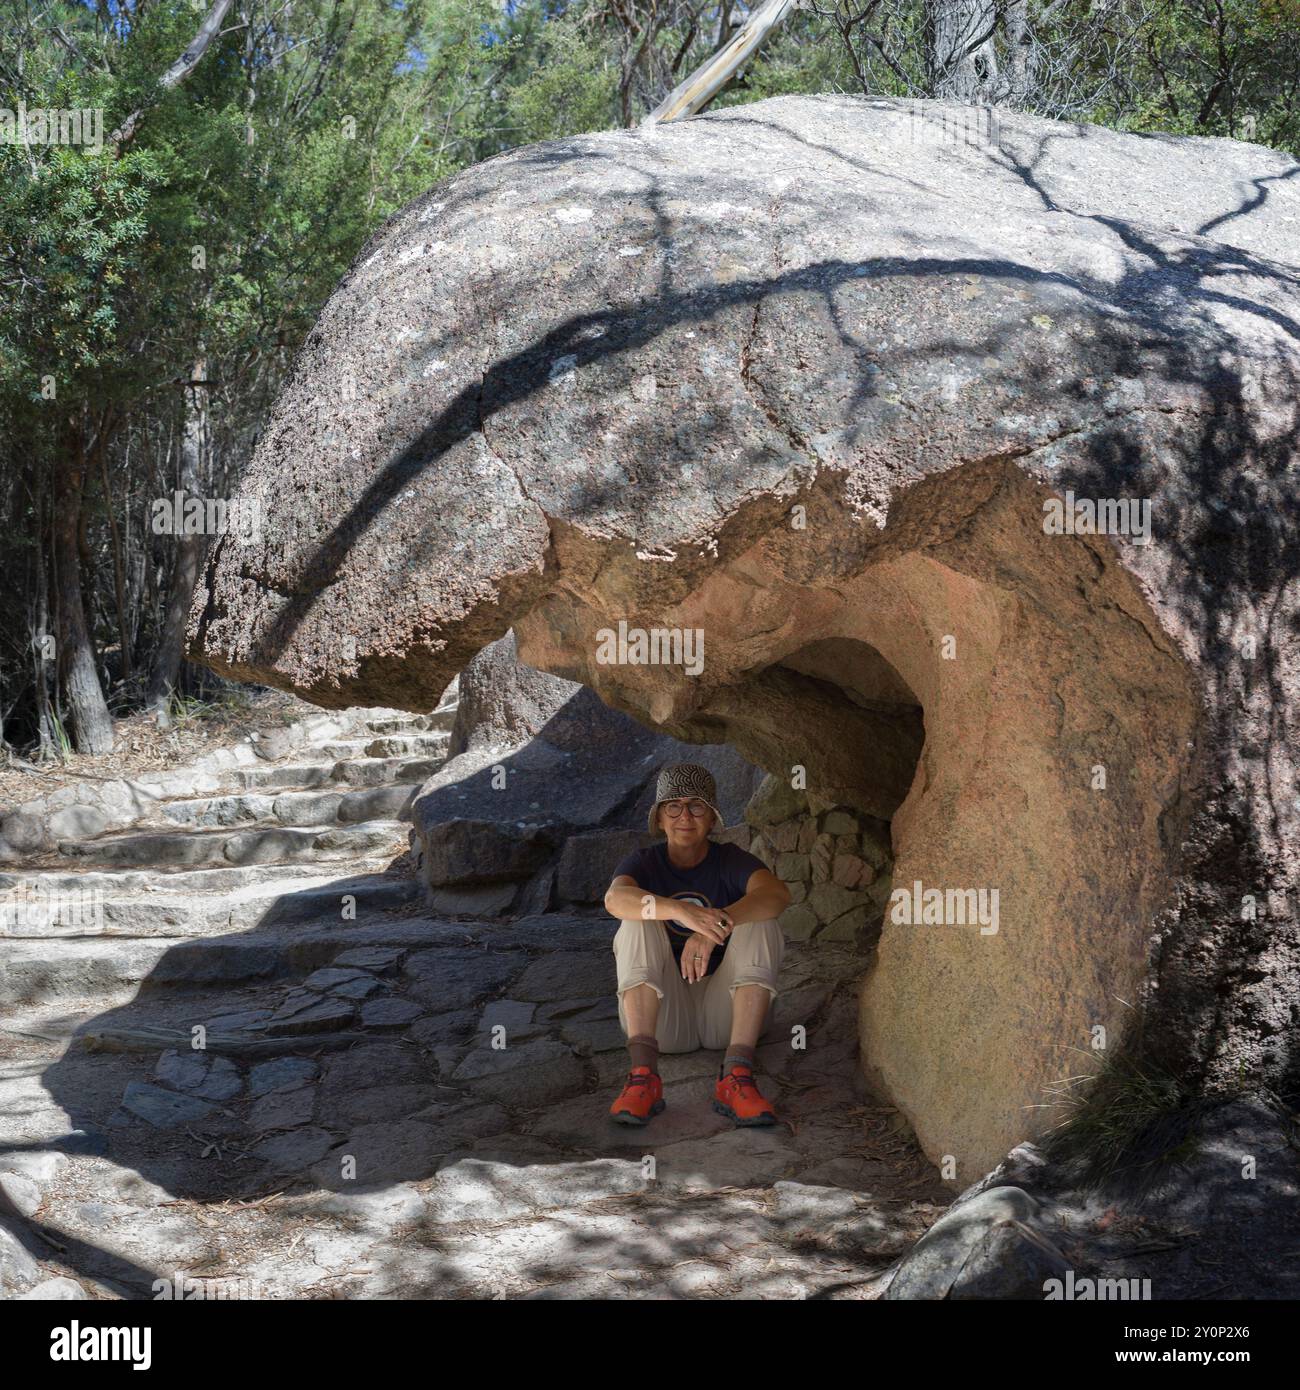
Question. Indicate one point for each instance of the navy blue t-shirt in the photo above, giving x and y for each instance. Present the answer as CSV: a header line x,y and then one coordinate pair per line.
x,y
718,880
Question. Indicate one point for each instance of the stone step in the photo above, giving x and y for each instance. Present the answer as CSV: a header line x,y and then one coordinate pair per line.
x,y
106,971
442,718
113,883
398,723
77,911
354,772
388,801
390,746
259,844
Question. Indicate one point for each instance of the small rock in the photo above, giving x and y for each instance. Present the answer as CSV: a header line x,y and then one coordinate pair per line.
x,y
286,1109
55,1290
402,1151
357,989
323,1017
373,1064
849,871
775,801
295,1151
76,823
793,868
799,922
295,1002
273,744
40,1166
163,1109
783,838
329,978
510,1014
379,960
443,1028
935,1263
389,1013
25,832
249,1020
22,1192
531,1074
18,1271
280,1074
829,901
199,1074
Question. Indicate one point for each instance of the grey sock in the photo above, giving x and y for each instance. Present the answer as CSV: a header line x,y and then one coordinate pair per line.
x,y
644,1050
738,1054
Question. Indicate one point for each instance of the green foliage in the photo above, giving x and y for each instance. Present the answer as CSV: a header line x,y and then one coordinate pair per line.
x,y
572,88
1188,67
1217,67
76,229
1128,1127
800,59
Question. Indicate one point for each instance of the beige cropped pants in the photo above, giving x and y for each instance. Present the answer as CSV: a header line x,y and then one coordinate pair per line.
x,y
699,1014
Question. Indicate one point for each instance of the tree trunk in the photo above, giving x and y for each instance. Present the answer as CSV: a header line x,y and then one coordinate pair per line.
x,y
189,552
1019,50
92,727
707,81
119,564
41,630
960,60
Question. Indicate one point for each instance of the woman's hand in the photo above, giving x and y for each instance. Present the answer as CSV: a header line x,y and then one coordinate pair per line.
x,y
695,958
710,922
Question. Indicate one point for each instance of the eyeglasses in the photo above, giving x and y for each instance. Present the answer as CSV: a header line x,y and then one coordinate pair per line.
x,y
675,809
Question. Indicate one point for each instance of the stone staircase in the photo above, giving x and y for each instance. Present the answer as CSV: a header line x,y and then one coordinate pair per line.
x,y
387,1102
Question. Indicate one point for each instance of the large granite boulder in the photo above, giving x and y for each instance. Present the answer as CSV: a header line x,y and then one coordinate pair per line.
x,y
816,379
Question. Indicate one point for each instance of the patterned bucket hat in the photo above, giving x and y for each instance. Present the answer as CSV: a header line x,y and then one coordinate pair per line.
x,y
684,782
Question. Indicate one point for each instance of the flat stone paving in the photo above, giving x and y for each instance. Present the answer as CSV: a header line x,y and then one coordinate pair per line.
x,y
352,1131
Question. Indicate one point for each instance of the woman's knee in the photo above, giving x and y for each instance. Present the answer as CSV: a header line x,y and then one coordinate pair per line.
x,y
635,929
761,949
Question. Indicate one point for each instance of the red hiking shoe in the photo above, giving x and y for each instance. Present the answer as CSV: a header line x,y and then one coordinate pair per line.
x,y
737,1096
641,1100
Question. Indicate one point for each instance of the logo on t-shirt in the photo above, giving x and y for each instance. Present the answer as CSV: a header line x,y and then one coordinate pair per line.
x,y
689,895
